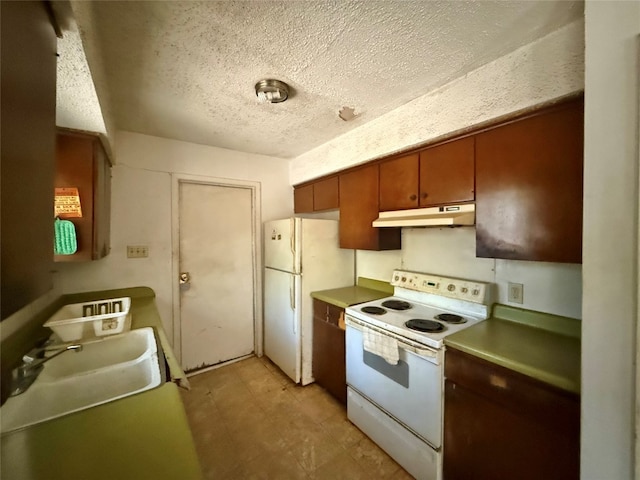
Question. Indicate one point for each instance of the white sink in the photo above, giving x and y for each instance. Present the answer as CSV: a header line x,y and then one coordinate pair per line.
x,y
102,352
105,370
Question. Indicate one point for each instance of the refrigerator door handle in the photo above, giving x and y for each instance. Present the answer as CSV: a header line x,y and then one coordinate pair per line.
x,y
292,299
292,238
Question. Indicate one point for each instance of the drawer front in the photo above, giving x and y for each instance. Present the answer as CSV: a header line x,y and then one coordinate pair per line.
x,y
327,312
519,393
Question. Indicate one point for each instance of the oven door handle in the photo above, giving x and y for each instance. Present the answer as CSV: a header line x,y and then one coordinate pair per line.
x,y
404,344
422,352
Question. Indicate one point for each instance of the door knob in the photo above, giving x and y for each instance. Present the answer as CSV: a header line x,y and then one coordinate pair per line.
x,y
185,281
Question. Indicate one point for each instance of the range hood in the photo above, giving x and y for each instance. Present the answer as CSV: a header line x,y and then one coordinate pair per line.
x,y
451,215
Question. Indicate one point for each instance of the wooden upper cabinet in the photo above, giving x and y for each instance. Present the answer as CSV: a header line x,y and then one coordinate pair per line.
x,y
81,162
28,138
529,187
303,199
399,183
439,175
326,194
447,173
317,196
359,208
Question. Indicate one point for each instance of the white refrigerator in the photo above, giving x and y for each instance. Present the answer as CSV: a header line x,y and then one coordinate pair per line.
x,y
301,256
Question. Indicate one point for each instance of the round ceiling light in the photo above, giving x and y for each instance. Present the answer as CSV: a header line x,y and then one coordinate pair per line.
x,y
272,91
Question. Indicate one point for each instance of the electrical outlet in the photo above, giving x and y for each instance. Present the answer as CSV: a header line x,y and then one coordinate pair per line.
x,y
516,292
137,251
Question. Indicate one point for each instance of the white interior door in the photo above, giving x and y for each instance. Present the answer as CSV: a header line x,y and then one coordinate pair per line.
x,y
282,320
216,253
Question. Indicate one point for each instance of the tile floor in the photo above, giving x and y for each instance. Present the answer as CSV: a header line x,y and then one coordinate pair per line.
x,y
249,421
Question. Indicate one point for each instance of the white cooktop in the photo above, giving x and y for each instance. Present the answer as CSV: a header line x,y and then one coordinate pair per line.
x,y
429,295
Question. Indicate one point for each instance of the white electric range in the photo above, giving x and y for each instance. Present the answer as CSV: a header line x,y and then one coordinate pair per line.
x,y
395,363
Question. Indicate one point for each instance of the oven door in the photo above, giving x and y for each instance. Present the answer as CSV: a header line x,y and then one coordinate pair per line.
x,y
410,391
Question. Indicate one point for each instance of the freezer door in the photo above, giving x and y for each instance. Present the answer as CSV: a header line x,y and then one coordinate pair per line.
x,y
282,321
281,245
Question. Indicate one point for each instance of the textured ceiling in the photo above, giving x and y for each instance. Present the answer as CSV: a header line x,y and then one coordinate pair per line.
x,y
186,70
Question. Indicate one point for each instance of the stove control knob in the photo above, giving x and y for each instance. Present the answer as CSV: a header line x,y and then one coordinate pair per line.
x,y
404,279
464,289
396,278
475,292
451,287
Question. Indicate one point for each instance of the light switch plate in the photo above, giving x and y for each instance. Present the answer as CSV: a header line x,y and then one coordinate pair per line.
x,y
137,251
516,292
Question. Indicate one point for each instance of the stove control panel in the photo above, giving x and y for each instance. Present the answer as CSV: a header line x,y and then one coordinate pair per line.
x,y
448,287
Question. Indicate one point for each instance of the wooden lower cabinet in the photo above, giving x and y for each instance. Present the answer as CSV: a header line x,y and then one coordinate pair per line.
x,y
329,359
501,425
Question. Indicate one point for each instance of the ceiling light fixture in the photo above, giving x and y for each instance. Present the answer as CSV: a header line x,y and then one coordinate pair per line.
x,y
272,91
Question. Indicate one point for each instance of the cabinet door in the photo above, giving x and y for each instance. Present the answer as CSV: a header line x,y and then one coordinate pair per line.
x,y
303,199
447,173
501,424
485,440
359,208
75,168
81,162
102,200
529,188
326,194
28,107
399,183
329,357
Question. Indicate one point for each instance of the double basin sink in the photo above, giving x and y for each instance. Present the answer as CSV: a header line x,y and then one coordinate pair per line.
x,y
106,369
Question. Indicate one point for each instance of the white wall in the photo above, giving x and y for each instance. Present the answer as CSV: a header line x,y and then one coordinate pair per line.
x,y
610,268
548,287
141,210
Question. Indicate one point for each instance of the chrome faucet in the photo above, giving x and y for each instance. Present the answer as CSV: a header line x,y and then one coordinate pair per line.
x,y
32,365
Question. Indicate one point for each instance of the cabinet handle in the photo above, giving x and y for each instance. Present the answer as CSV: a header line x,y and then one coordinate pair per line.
x,y
413,197
425,195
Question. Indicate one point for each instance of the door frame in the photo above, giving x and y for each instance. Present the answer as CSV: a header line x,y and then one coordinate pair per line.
x,y
256,223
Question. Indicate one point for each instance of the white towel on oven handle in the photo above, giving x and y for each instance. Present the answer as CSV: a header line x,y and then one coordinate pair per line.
x,y
381,345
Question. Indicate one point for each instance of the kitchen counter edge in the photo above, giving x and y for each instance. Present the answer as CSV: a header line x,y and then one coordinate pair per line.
x,y
550,357
346,296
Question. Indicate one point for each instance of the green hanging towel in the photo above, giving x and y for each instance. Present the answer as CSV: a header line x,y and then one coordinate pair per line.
x,y
65,238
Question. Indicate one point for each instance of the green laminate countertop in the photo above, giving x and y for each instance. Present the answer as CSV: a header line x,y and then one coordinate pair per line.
x,y
366,291
543,346
138,437
142,436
